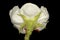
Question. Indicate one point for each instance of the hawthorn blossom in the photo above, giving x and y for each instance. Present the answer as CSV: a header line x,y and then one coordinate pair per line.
x,y
29,17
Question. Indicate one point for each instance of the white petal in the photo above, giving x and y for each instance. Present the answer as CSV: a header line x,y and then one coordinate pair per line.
x,y
12,11
43,18
18,27
15,19
44,15
30,9
41,28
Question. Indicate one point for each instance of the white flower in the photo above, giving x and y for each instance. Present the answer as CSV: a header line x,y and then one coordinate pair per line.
x,y
30,10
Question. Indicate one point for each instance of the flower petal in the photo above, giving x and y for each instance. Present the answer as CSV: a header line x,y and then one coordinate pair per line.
x,y
44,15
30,9
43,18
15,19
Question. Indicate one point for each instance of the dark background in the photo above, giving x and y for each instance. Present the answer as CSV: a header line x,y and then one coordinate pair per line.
x,y
8,32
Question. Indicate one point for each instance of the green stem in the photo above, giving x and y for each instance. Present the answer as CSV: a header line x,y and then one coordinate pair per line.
x,y
27,35
29,30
